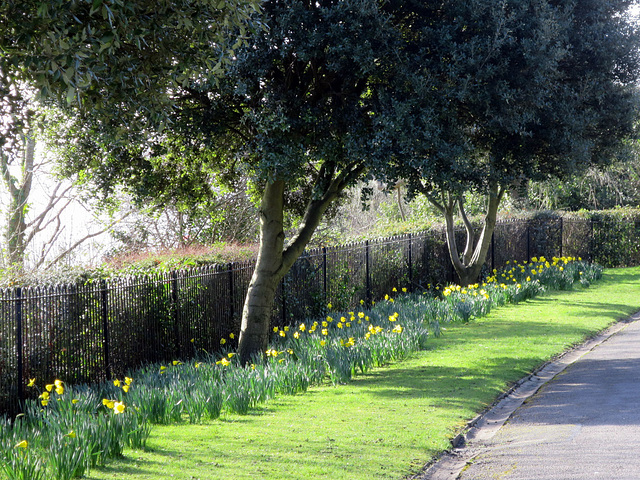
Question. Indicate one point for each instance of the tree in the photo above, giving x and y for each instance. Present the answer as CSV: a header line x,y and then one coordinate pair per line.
x,y
298,112
500,91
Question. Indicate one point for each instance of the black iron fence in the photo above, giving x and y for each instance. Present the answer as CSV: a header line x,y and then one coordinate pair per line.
x,y
95,331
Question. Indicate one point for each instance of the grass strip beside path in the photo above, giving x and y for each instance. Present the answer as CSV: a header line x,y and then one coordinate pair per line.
x,y
388,423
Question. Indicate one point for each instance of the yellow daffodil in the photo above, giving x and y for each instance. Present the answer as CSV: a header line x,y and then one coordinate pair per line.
x,y
128,380
329,306
360,314
397,329
58,383
71,434
74,401
302,327
224,362
125,388
404,289
32,382
116,382
60,390
44,395
296,335
193,340
232,336
22,444
323,343
49,387
325,331
118,407
275,329
282,333
361,302
108,403
222,341
44,402
339,325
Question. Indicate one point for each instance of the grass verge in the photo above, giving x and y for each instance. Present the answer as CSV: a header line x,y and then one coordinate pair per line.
x,y
388,423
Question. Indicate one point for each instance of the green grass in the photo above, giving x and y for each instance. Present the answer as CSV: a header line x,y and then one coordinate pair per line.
x,y
388,423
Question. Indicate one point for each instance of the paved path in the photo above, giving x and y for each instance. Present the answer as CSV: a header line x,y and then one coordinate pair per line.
x,y
583,422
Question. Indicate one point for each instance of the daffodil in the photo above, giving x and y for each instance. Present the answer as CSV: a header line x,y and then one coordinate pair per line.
x,y
128,380
296,335
232,336
74,401
60,390
22,444
49,387
125,388
325,331
116,382
71,434
329,306
32,382
118,407
302,327
222,341
224,361
282,333
323,343
275,329
176,363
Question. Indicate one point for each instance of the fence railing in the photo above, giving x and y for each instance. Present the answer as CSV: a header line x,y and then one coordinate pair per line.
x,y
91,332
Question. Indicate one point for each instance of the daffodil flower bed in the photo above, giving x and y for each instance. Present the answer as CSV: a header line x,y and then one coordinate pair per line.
x,y
69,430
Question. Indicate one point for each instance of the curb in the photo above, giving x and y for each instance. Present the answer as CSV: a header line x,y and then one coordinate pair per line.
x,y
483,427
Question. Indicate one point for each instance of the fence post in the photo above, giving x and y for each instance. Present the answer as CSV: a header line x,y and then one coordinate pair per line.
x,y
105,327
284,301
367,273
561,235
493,249
231,292
324,273
18,293
410,266
174,311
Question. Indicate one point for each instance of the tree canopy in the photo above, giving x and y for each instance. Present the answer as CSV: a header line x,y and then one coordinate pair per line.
x,y
500,91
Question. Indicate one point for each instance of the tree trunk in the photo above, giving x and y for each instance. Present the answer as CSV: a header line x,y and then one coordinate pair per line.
x,y
470,265
15,231
274,261
258,305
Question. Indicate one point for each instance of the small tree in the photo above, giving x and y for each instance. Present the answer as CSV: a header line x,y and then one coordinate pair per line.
x,y
510,90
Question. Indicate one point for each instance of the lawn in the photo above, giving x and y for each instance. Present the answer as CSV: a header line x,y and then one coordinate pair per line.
x,y
388,423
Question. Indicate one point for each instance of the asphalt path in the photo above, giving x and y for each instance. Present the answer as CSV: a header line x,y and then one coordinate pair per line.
x,y
577,418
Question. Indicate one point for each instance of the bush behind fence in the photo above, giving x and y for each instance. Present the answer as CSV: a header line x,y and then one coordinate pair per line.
x,y
95,331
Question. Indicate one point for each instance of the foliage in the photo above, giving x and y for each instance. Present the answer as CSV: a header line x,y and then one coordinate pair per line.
x,y
504,93
133,54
